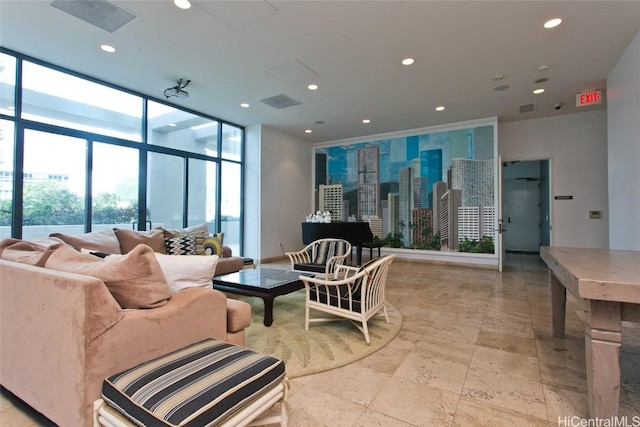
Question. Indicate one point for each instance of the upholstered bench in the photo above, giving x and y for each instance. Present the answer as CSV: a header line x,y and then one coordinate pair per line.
x,y
209,383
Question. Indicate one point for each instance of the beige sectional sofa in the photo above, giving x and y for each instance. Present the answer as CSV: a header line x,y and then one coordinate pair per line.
x,y
64,331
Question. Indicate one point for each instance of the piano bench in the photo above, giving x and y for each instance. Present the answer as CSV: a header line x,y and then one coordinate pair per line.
x,y
372,245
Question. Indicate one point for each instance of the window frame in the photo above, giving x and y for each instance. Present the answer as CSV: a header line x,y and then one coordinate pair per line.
x,y
143,147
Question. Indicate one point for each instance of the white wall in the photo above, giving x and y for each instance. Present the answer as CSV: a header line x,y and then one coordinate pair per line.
x,y
577,147
278,180
252,200
623,116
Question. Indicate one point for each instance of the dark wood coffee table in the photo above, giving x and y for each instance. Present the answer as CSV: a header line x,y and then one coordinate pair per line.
x,y
266,283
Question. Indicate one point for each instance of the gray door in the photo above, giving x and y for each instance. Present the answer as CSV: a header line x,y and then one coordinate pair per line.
x,y
522,215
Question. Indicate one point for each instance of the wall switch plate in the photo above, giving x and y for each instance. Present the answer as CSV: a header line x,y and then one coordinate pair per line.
x,y
595,214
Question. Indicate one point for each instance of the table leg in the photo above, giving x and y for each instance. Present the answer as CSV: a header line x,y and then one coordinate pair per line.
x,y
603,341
268,311
558,305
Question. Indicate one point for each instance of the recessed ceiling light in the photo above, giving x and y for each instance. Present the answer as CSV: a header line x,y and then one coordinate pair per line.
x,y
552,23
245,105
312,87
538,91
107,48
308,131
440,108
366,121
408,61
498,77
182,4
543,68
172,125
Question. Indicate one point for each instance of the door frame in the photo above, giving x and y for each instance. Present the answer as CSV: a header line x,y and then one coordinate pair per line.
x,y
502,161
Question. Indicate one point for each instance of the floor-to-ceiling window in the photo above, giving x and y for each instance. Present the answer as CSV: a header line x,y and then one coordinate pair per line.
x,y
78,155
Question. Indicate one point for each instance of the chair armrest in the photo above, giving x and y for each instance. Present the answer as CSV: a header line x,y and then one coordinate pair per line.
x,y
344,271
314,281
299,257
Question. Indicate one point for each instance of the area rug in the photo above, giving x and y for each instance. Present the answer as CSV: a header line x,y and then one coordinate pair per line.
x,y
325,346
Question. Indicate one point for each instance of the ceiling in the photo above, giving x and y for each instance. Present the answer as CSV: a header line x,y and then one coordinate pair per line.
x,y
246,51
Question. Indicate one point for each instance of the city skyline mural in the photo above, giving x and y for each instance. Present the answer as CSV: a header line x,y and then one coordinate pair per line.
x,y
433,191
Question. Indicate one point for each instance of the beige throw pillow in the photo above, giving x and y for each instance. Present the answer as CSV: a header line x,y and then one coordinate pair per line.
x,y
135,280
187,271
102,240
129,239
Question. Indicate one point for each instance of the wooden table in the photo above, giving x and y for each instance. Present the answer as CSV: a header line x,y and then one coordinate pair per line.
x,y
609,283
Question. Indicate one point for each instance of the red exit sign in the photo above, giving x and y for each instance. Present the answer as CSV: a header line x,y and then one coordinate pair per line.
x,y
589,98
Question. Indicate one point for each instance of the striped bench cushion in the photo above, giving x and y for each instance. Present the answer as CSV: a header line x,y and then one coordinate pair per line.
x,y
199,385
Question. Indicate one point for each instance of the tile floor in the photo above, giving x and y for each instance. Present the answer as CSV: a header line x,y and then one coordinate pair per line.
x,y
475,349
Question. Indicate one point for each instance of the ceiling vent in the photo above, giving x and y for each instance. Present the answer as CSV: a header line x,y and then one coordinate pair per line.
x,y
528,108
280,101
101,13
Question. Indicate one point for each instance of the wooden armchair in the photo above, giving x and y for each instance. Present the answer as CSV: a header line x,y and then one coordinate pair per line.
x,y
320,256
354,294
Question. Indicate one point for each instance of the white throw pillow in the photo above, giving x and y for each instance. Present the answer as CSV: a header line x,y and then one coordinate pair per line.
x,y
187,271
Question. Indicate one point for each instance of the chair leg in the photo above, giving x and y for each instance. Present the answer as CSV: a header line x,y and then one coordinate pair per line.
x,y
365,331
386,316
306,317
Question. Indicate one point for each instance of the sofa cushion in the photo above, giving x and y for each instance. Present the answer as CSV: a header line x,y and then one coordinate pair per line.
x,y
33,252
183,245
170,232
102,240
229,265
205,383
187,271
129,239
135,280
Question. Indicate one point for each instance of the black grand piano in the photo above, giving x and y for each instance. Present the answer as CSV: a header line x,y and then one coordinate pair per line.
x,y
356,233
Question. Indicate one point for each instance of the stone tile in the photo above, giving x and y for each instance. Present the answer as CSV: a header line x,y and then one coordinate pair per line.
x,y
437,363
456,333
354,383
376,419
473,413
563,404
509,343
500,390
312,407
459,316
630,405
505,363
564,375
508,304
630,365
387,359
509,324
14,417
5,403
414,403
